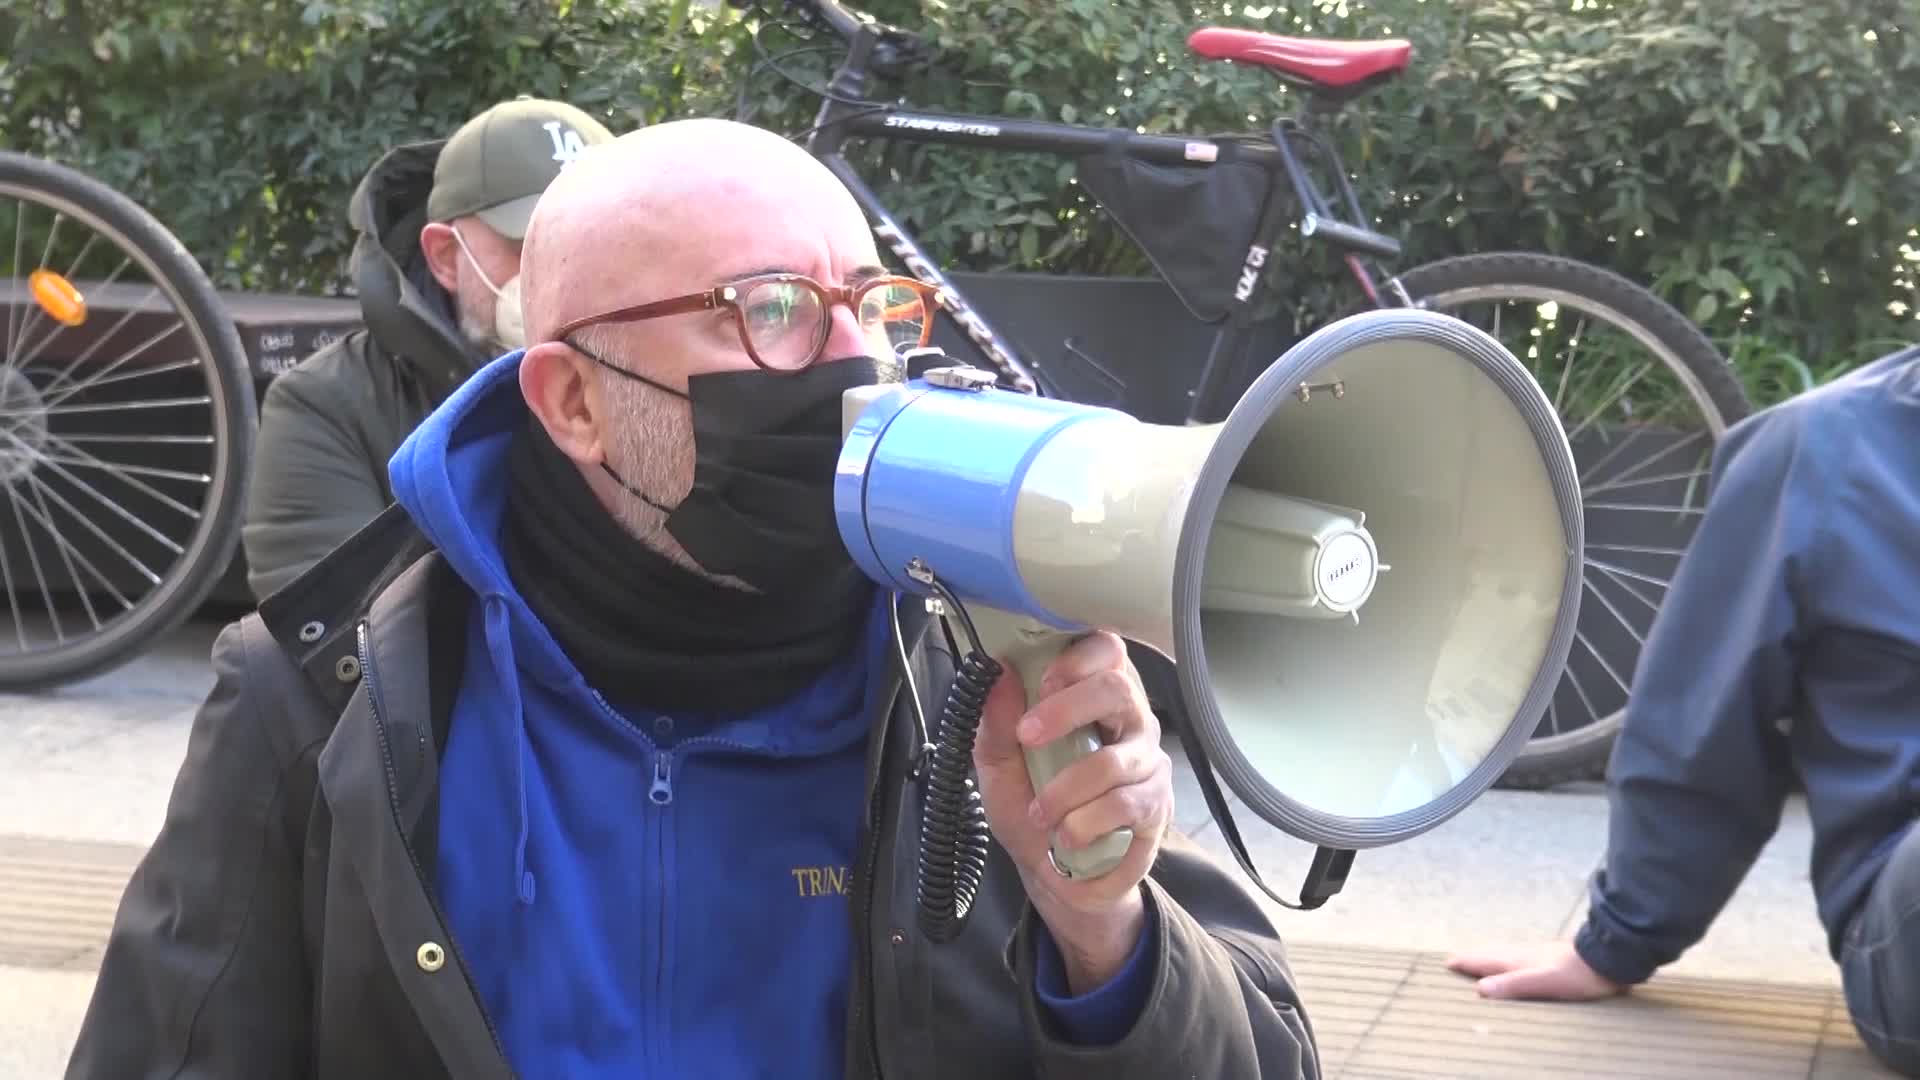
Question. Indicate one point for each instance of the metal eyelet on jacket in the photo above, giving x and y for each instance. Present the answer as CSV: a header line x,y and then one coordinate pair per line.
x,y
347,668
430,956
311,632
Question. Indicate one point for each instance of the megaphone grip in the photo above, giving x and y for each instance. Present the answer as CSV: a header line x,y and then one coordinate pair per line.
x,y
1027,646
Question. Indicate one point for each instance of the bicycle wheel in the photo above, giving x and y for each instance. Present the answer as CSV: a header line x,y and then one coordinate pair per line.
x,y
127,416
1642,429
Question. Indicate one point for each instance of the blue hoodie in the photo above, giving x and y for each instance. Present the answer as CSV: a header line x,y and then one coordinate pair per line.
x,y
632,901
1796,607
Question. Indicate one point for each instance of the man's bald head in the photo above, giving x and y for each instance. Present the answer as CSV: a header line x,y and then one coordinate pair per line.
x,y
640,218
663,213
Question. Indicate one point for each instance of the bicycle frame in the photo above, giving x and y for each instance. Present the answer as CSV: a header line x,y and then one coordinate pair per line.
x,y
845,114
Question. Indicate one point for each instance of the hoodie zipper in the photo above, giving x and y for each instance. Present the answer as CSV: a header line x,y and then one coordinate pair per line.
x,y
661,794
365,653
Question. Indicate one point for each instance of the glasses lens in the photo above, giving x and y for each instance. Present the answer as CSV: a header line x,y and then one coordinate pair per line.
x,y
783,322
893,315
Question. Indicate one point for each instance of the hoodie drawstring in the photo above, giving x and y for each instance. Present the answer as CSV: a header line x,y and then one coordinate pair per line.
x,y
500,643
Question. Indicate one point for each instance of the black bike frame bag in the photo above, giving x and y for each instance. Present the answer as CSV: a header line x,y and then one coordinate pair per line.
x,y
1195,223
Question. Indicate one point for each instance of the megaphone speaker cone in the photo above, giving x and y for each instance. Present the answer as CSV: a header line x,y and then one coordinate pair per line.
x,y
1358,731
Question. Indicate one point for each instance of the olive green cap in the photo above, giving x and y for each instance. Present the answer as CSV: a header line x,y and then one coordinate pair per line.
x,y
499,162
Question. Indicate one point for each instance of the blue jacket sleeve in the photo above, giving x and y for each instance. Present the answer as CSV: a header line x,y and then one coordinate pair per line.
x,y
1700,771
1103,1016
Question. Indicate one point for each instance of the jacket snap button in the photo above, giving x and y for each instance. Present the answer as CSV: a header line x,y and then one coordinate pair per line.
x,y
311,632
430,957
347,669
899,938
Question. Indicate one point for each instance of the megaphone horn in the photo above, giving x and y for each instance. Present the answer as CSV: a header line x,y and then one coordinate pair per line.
x,y
1347,706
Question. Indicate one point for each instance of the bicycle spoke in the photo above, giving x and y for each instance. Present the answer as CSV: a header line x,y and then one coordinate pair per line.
x,y
1573,677
152,578
66,556
1663,478
122,473
33,557
34,311
126,515
158,440
94,382
1632,434
1598,409
1553,718
127,316
1566,371
13,603
122,469
1646,506
1613,575
1609,568
1581,637
1632,630
111,406
1643,463
40,493
19,233
1639,549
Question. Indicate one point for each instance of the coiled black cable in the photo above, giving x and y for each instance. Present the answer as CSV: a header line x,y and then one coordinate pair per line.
x,y
953,822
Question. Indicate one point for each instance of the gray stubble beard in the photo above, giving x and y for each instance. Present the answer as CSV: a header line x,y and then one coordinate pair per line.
x,y
651,446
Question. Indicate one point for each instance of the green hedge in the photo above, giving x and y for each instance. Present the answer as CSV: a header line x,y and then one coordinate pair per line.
x,y
1753,160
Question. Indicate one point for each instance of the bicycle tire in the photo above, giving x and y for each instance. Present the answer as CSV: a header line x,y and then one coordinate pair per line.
x,y
210,550
1581,754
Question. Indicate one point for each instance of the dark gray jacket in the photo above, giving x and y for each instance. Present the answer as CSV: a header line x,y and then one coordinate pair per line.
x,y
283,924
329,425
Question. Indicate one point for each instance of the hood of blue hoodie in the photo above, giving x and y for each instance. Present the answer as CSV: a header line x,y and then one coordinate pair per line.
x,y
583,848
451,475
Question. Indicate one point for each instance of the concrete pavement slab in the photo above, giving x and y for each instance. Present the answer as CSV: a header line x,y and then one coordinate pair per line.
x,y
40,1014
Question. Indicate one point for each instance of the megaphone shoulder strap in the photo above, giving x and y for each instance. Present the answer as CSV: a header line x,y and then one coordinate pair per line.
x,y
1325,876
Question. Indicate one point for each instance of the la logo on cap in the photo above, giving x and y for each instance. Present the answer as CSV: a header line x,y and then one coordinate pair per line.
x,y
567,143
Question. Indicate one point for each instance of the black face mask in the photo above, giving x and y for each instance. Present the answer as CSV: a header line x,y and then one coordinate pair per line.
x,y
765,445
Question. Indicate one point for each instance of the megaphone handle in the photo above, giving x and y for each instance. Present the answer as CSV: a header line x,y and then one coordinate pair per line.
x,y
1027,646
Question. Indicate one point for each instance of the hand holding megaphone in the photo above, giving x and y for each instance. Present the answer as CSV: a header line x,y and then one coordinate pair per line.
x,y
1059,807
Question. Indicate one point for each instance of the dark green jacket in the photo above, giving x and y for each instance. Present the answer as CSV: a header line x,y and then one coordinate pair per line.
x,y
329,425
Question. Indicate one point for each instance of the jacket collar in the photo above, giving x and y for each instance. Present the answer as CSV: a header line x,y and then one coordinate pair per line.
x,y
313,616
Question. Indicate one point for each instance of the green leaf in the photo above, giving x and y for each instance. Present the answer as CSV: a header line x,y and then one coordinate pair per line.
x,y
1705,307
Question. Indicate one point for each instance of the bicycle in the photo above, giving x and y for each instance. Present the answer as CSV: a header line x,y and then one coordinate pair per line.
x,y
124,441
1235,192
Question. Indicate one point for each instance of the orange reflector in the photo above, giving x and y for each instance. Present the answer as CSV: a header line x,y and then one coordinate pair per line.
x,y
57,297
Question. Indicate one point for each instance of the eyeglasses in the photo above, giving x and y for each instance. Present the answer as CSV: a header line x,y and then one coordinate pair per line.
x,y
784,319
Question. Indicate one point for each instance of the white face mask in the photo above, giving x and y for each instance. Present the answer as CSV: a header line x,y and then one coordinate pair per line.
x,y
508,323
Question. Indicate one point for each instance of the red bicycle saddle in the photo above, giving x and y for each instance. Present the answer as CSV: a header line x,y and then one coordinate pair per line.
x,y
1328,63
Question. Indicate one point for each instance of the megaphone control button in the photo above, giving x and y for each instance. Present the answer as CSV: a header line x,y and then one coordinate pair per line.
x,y
1345,570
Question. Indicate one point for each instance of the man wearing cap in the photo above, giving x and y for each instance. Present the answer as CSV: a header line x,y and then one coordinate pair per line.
x,y
436,267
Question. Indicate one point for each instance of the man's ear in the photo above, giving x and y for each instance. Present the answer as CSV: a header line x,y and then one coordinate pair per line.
x,y
565,401
442,250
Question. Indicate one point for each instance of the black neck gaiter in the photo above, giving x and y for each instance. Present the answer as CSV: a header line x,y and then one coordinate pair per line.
x,y
645,631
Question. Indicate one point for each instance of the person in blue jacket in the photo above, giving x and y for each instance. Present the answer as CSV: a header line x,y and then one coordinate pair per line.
x,y
596,756
1788,648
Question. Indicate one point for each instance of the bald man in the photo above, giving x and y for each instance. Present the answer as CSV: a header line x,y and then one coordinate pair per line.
x,y
594,756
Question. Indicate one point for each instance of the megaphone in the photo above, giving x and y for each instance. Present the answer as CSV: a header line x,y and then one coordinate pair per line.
x,y
1367,576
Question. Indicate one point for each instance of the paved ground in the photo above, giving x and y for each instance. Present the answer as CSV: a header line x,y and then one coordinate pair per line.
x,y
88,769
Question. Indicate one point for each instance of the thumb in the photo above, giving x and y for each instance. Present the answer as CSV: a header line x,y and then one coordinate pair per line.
x,y
1532,982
